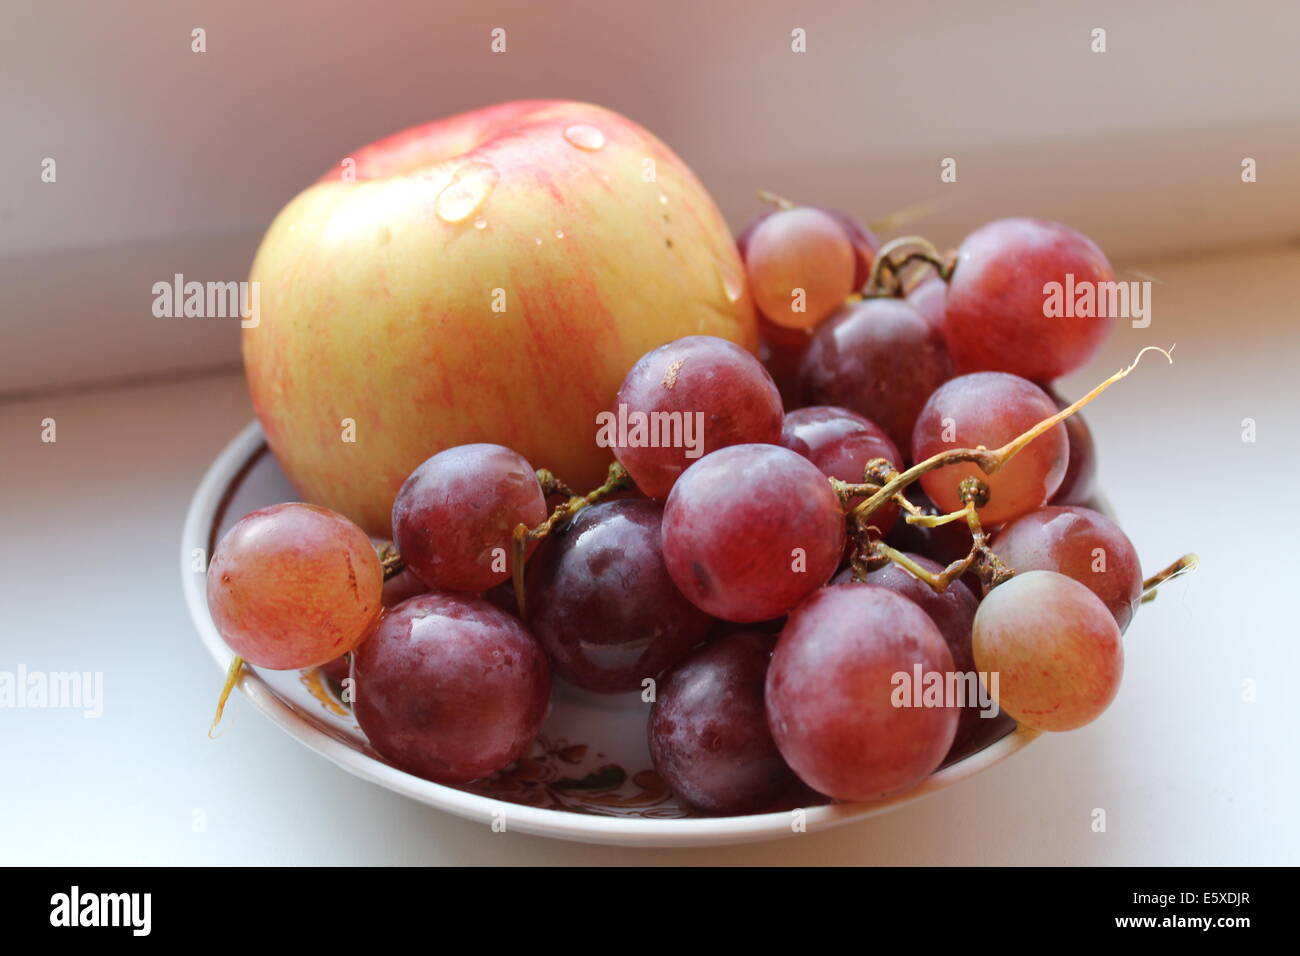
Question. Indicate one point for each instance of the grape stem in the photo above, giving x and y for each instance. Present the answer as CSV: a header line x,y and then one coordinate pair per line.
x,y
390,561
232,677
552,485
772,199
981,560
905,216
617,480
878,284
988,461
883,484
912,509
1184,565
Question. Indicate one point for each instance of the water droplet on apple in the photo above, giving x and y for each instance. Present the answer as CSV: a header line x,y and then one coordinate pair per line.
x,y
559,233
538,241
480,223
733,282
585,137
471,185
663,199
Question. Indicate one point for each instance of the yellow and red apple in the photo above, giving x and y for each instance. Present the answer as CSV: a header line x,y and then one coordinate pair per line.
x,y
489,277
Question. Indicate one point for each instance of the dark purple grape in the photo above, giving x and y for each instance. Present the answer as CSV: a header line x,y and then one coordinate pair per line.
x,y
503,596
602,604
878,358
709,737
454,516
840,443
402,586
339,668
1080,479
450,688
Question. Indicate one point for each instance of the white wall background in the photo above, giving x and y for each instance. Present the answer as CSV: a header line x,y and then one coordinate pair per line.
x,y
169,160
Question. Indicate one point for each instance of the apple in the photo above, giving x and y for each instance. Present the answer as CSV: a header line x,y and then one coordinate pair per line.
x,y
489,277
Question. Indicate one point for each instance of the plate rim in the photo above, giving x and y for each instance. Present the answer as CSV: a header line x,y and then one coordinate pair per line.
x,y
209,497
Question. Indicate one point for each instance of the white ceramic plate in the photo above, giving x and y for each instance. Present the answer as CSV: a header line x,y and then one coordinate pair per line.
x,y
589,776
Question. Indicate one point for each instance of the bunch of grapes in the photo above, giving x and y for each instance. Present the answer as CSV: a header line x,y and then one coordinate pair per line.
x,y
797,592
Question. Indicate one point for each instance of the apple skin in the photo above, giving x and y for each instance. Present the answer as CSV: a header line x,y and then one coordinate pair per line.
x,y
376,308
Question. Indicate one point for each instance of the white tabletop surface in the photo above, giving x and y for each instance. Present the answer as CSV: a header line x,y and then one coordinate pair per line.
x,y
1187,771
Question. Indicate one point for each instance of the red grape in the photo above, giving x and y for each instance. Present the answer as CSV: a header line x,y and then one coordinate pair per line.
x,y
1081,544
781,349
929,298
293,586
1081,472
782,365
878,358
709,737
601,603
990,409
799,250
691,396
840,443
1054,647
454,516
750,530
831,692
953,612
997,304
450,687
864,242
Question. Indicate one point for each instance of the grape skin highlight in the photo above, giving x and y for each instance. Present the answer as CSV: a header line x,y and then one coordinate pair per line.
x,y
450,687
